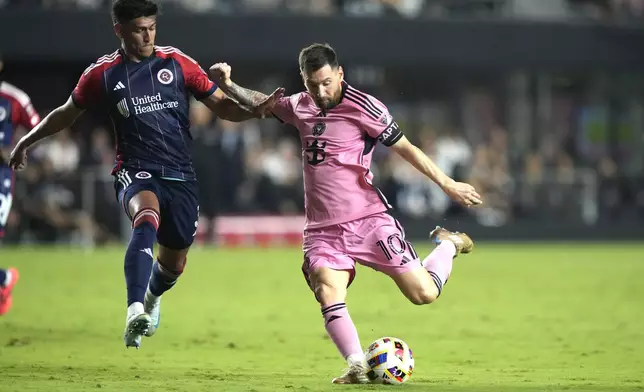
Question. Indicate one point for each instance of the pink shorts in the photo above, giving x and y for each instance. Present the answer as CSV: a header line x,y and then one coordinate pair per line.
x,y
376,241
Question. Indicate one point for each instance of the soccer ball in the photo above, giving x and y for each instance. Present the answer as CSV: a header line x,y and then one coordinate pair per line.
x,y
390,361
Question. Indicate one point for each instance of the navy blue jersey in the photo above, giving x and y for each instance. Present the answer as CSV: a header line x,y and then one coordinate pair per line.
x,y
15,110
148,104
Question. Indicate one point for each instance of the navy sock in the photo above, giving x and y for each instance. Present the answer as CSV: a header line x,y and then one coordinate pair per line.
x,y
162,280
3,276
139,254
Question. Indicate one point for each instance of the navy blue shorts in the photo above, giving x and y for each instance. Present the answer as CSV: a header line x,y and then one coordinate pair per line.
x,y
6,196
178,204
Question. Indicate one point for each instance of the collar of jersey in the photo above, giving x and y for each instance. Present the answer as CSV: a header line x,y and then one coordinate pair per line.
x,y
143,60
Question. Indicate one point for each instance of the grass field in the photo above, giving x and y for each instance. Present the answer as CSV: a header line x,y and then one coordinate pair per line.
x,y
512,318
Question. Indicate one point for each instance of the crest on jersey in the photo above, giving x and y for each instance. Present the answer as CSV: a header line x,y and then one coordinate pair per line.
x,y
3,113
165,76
318,129
123,109
385,120
143,175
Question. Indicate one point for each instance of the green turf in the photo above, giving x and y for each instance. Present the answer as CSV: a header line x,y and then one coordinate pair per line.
x,y
512,318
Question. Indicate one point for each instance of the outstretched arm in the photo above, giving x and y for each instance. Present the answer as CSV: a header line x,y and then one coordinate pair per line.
x,y
59,119
460,192
252,100
226,108
231,110
246,97
378,123
424,164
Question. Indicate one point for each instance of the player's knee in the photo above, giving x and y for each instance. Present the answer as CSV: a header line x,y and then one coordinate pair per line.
x,y
143,200
173,267
423,296
173,262
329,294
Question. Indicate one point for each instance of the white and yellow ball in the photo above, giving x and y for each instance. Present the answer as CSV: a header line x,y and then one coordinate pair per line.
x,y
390,361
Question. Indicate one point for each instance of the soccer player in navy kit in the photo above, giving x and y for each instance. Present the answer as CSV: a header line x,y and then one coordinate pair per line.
x,y
144,89
16,111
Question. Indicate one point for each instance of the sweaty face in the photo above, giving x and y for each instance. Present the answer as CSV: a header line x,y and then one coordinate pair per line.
x,y
325,85
138,36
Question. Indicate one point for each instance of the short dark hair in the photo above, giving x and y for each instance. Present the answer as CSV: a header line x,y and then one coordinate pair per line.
x,y
124,11
316,56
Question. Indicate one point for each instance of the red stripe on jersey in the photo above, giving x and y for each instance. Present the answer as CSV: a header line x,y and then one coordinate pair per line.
x,y
170,51
104,61
22,111
90,89
195,78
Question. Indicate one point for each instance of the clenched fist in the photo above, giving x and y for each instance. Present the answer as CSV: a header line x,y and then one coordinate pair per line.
x,y
220,74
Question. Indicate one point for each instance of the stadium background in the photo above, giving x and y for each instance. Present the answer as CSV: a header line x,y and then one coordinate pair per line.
x,y
539,103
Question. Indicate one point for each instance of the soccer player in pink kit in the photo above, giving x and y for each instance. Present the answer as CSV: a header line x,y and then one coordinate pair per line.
x,y
346,219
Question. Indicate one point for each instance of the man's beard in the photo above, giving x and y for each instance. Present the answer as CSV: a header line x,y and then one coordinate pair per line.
x,y
328,104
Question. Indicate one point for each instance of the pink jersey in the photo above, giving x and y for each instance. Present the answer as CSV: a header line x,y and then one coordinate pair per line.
x,y
337,147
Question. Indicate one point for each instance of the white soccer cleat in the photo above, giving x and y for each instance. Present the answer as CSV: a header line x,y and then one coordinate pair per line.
x,y
136,326
356,374
152,306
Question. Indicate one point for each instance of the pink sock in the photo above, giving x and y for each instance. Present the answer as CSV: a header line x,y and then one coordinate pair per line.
x,y
439,263
341,329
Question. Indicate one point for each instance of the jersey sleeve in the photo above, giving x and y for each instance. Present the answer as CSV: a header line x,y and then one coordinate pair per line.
x,y
25,115
89,89
196,79
380,124
284,110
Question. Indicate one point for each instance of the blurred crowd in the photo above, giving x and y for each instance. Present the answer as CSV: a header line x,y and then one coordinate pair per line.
x,y
564,147
614,10
569,155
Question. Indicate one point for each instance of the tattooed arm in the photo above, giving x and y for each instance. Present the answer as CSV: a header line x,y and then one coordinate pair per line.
x,y
251,100
246,97
230,109
226,108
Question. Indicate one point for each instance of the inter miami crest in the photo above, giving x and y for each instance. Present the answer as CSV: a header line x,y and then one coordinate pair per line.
x,y
318,129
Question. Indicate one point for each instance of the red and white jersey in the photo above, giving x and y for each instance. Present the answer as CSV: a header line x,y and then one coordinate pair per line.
x,y
15,110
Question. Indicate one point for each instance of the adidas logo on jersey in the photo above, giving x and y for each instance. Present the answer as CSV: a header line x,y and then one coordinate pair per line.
x,y
119,86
